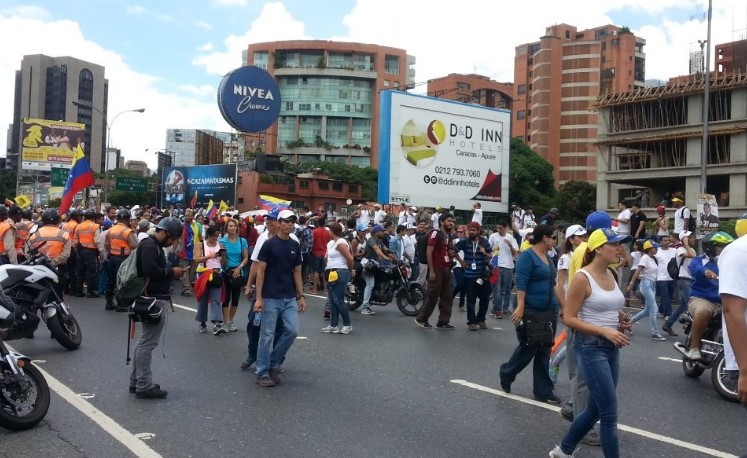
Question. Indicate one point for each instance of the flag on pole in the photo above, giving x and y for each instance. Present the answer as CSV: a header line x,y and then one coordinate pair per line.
x,y
80,178
222,207
268,202
212,210
22,201
193,202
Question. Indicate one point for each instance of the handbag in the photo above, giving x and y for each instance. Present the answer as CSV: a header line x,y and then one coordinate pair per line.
x,y
332,275
539,330
216,279
145,310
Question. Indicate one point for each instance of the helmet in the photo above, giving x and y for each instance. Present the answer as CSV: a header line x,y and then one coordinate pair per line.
x,y
89,214
171,225
14,210
741,226
50,216
3,211
713,240
124,213
76,213
26,213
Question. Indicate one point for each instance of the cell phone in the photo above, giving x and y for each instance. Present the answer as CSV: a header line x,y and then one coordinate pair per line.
x,y
221,250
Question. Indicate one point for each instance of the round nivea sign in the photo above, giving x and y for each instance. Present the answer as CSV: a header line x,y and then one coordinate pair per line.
x,y
249,99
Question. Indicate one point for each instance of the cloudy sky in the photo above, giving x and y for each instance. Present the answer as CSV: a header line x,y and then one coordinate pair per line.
x,y
168,56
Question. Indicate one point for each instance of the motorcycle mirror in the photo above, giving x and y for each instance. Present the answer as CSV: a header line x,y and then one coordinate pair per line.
x,y
33,229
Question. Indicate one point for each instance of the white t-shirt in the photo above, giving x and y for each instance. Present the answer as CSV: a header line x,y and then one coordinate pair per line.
x,y
732,265
379,217
364,218
477,216
663,256
650,268
685,267
261,241
624,228
517,218
680,216
504,255
564,263
408,243
410,218
402,218
141,236
335,259
525,218
434,220
260,228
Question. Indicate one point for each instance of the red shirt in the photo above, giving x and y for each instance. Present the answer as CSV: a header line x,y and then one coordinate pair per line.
x,y
321,239
439,242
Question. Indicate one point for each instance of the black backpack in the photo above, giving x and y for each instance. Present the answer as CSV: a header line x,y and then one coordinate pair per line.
x,y
673,267
691,223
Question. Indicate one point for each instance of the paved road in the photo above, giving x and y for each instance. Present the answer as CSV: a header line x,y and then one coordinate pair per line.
x,y
388,389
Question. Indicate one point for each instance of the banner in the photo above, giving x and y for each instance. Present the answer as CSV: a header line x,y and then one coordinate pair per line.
x,y
207,182
707,218
439,152
48,144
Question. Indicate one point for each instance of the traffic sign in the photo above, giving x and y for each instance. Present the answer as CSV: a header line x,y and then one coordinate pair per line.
x,y
132,184
59,176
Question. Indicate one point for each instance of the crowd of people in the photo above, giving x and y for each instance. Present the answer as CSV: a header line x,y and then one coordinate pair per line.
x,y
583,281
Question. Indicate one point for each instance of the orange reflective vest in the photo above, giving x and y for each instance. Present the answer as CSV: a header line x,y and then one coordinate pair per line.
x,y
69,227
22,234
119,240
4,226
85,234
54,237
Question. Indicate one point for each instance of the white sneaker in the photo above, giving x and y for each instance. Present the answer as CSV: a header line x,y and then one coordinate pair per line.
x,y
367,311
329,329
693,354
346,329
558,453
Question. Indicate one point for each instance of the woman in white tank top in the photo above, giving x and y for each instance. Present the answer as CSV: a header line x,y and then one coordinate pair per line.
x,y
594,310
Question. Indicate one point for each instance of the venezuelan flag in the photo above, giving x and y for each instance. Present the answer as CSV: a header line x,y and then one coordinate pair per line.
x,y
268,202
212,210
79,179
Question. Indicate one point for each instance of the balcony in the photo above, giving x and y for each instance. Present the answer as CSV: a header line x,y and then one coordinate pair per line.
x,y
327,71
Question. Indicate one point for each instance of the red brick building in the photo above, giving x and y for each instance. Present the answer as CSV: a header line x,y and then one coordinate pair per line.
x,y
472,88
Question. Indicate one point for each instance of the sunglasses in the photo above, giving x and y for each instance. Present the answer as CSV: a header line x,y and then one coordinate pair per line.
x,y
287,220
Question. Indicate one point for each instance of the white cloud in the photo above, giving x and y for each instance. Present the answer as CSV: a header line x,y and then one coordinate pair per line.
x,y
199,91
274,23
26,11
230,2
206,47
204,25
135,9
128,89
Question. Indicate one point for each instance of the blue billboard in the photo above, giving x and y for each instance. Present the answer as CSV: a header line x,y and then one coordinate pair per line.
x,y
195,186
249,99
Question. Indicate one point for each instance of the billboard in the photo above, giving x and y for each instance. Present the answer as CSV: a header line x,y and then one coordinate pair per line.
x,y
249,99
439,152
206,182
707,219
49,144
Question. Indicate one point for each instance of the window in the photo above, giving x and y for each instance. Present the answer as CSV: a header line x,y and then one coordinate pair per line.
x,y
289,106
324,186
521,114
241,200
337,186
615,41
567,34
463,86
522,88
304,106
534,48
353,188
391,64
386,83
303,184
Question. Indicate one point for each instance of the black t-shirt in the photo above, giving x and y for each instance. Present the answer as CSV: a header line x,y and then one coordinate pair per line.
x,y
635,220
421,246
281,256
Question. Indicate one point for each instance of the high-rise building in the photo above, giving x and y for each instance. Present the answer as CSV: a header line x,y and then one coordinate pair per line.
x,y
196,147
140,167
46,88
732,57
558,78
329,92
472,88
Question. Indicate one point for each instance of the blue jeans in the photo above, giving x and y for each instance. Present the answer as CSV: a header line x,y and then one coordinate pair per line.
x,y
666,293
647,291
337,299
457,275
598,360
269,355
502,290
684,285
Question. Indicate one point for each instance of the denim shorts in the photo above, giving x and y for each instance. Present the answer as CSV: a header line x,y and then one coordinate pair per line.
x,y
316,264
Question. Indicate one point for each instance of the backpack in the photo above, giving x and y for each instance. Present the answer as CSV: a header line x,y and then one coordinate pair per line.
x,y
691,223
673,267
130,283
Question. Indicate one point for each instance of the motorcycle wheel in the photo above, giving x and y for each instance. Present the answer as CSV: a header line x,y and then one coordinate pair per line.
x,y
724,383
353,301
65,330
33,399
410,302
691,368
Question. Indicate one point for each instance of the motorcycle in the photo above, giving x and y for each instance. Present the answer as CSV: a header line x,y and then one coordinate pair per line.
x,y
31,287
712,351
24,394
390,281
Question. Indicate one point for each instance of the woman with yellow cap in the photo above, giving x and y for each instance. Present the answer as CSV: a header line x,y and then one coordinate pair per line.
x,y
337,275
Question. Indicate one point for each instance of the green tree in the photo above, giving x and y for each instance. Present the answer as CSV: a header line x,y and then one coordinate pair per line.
x,y
365,176
531,181
575,200
8,183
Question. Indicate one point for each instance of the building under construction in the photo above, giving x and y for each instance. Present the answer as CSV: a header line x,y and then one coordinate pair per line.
x,y
650,143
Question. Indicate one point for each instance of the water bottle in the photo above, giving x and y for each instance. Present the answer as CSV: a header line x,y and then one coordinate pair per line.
x,y
257,319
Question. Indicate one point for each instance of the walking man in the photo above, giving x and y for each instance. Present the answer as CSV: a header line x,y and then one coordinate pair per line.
x,y
507,249
281,298
191,236
439,256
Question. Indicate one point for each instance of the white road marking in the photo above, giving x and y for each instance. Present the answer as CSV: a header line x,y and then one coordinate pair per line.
x,y
629,429
301,338
664,358
499,329
38,361
106,423
87,395
145,436
184,307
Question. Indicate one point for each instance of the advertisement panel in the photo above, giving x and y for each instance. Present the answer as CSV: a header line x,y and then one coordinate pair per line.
x,y
707,219
199,183
249,99
439,152
49,144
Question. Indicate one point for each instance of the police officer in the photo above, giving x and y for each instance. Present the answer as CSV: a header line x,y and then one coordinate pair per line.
x,y
22,230
88,254
69,274
7,238
50,239
120,241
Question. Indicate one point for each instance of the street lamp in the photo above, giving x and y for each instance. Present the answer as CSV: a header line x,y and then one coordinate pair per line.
x,y
108,137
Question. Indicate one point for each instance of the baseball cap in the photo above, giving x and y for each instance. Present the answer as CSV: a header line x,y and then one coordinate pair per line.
x,y
413,208
438,207
684,234
474,224
107,224
411,226
377,228
598,220
554,210
286,214
649,244
601,236
273,214
677,199
575,229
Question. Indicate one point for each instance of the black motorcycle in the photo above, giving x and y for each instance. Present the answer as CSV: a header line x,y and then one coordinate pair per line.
x,y
390,281
24,394
33,287
712,351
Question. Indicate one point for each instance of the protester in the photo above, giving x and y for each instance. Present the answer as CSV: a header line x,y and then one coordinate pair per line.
x,y
733,291
681,216
234,274
647,270
684,255
421,247
623,218
507,248
475,263
661,223
209,257
319,241
457,271
665,287
191,237
477,213
7,238
439,255
339,265
120,240
376,252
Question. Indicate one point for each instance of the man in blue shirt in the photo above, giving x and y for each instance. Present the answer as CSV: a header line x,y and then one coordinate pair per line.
x,y
279,299
477,255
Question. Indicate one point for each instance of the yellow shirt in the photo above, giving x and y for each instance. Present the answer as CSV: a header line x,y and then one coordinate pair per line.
x,y
577,260
525,245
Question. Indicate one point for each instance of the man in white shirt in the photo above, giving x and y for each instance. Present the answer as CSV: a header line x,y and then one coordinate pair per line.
x,y
732,266
402,215
379,215
408,243
477,213
623,219
412,215
517,216
507,247
362,217
435,216
664,283
528,217
684,255
681,216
